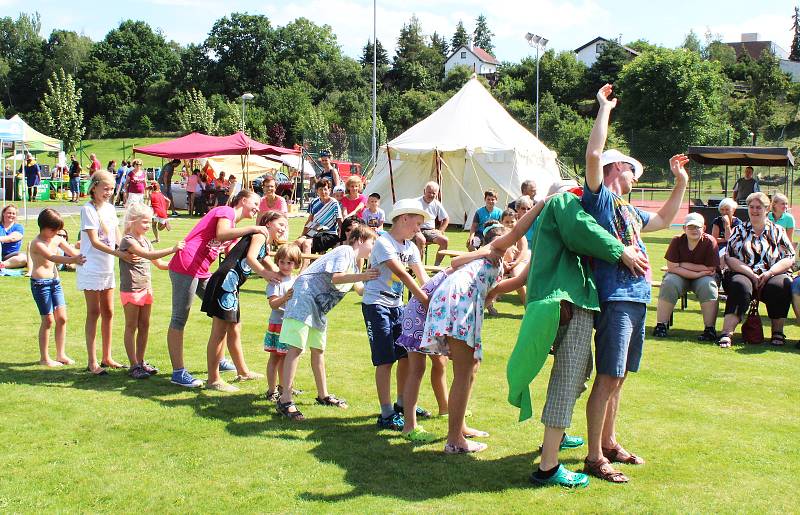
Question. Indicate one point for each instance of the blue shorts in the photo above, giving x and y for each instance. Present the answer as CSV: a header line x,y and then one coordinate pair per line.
x,y
796,286
48,295
384,326
619,337
74,185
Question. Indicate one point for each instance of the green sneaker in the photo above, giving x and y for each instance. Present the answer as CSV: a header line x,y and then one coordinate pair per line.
x,y
419,435
570,442
562,477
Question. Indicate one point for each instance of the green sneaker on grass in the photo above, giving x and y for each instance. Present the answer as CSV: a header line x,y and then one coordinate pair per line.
x,y
562,477
419,435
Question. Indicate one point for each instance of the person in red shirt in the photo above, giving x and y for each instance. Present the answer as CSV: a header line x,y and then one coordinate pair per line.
x,y
160,205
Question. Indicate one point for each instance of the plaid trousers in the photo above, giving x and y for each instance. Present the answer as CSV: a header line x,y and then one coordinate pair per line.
x,y
572,367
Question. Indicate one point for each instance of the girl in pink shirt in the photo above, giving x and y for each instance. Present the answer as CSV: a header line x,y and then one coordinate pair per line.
x,y
354,201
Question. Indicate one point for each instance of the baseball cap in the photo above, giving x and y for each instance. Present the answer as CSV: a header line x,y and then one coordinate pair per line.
x,y
695,219
615,156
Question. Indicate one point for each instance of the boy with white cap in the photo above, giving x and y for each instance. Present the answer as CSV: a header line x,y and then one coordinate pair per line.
x,y
383,301
692,262
619,336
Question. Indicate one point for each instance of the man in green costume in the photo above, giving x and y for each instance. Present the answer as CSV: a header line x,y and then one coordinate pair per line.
x,y
561,300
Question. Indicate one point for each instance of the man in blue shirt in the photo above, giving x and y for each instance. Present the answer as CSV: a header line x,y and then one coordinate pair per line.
x,y
619,327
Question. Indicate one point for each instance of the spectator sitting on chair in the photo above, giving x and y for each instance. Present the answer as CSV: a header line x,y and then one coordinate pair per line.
x,y
528,189
11,233
759,256
270,201
481,218
428,233
779,214
692,261
723,226
745,186
321,231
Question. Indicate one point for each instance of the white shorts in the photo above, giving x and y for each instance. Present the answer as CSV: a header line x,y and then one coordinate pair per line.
x,y
94,281
134,197
159,220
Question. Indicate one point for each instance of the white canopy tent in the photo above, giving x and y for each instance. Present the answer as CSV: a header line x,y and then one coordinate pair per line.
x,y
468,145
237,164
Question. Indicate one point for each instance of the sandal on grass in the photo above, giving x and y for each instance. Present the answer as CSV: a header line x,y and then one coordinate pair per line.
x,y
619,455
284,409
778,339
332,400
724,340
602,469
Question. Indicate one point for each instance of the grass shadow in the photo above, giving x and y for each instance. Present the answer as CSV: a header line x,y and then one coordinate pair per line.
x,y
381,463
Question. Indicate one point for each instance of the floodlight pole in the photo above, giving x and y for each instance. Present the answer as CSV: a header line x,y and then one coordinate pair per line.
x,y
374,83
540,43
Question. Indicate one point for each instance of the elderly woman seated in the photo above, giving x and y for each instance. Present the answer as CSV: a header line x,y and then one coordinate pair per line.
x,y
724,224
759,257
692,262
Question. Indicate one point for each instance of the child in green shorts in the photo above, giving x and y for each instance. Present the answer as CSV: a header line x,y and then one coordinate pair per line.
x,y
288,258
316,291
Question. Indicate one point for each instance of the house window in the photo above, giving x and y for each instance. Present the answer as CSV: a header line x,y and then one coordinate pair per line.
x,y
463,55
598,48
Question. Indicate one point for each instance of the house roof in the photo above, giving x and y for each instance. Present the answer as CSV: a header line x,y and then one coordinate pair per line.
x,y
480,53
604,40
753,48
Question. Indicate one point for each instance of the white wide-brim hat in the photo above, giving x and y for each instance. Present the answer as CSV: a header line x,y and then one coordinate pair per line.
x,y
409,206
615,156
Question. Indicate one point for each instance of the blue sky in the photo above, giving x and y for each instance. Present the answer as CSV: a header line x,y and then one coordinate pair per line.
x,y
567,24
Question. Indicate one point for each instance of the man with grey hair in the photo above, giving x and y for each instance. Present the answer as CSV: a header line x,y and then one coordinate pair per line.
x,y
528,188
429,233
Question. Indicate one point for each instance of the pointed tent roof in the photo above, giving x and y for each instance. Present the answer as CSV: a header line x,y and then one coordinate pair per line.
x,y
473,120
35,140
196,145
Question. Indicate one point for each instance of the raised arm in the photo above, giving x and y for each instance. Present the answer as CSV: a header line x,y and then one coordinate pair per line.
x,y
502,243
227,233
40,248
663,218
597,139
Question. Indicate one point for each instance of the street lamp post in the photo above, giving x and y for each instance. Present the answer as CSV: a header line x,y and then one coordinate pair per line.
x,y
245,98
540,43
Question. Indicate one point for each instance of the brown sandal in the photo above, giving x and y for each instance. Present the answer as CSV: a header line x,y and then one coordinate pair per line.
x,y
602,469
619,455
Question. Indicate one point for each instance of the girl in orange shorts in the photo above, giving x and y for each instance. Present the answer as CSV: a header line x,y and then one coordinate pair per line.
x,y
135,288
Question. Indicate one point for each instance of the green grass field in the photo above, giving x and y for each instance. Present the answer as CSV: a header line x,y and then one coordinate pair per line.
x,y
718,427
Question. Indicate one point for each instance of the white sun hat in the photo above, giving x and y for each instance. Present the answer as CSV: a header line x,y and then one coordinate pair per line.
x,y
409,206
615,156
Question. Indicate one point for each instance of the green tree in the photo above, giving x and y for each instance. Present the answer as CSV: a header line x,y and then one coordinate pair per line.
x,y
670,99
339,141
562,129
59,109
366,56
139,52
692,42
313,126
66,49
562,75
439,44
460,37
482,35
608,66
243,50
97,127
109,93
145,125
21,62
456,78
197,115
794,54
416,65
642,45
768,86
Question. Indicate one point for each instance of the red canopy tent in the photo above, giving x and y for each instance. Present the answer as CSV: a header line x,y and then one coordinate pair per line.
x,y
196,146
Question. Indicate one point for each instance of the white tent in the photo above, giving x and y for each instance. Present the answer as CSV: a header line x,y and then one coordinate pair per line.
x,y
468,145
235,165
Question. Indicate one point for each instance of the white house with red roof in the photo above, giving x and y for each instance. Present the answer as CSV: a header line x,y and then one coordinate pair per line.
x,y
476,59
